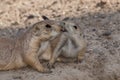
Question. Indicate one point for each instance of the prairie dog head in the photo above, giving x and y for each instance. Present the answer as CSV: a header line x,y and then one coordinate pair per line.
x,y
46,29
71,27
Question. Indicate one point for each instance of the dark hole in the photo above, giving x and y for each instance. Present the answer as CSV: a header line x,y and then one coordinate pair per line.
x,y
75,27
48,26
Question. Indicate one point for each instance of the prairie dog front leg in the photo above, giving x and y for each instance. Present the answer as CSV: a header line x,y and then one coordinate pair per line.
x,y
43,47
31,57
57,50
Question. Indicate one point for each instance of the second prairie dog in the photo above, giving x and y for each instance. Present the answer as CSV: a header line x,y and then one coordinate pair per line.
x,y
21,50
71,44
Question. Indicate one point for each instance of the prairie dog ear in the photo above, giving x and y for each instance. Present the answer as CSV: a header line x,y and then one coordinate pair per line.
x,y
44,17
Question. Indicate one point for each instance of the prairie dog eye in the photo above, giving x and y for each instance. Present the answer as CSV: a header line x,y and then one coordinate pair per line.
x,y
48,26
75,27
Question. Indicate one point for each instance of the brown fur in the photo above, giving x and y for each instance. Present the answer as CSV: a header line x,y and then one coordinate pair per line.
x,y
22,49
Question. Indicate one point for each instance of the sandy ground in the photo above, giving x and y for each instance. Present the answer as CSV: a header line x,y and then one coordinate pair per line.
x,y
100,22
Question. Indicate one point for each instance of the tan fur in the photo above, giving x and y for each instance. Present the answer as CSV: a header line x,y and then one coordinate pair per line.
x,y
50,49
63,52
22,49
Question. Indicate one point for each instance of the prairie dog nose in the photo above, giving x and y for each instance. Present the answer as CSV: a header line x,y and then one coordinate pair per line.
x,y
63,29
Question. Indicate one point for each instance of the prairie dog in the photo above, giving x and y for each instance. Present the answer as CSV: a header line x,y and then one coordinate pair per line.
x,y
22,49
71,44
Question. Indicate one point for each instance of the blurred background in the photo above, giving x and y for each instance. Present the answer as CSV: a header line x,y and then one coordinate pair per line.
x,y
16,11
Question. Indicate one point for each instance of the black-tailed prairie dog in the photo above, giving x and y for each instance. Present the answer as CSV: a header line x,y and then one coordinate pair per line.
x,y
22,49
71,45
